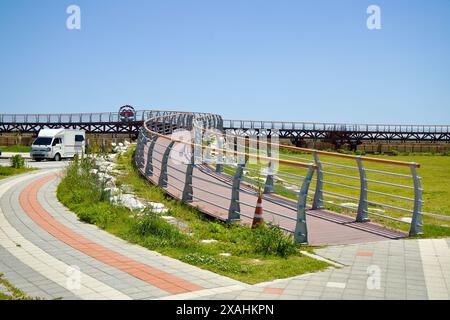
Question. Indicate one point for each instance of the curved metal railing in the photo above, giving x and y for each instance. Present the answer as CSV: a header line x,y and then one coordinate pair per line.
x,y
99,117
336,127
228,196
349,183
217,184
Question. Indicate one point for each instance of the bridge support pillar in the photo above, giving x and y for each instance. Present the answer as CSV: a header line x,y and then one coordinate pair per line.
x,y
318,194
149,165
188,190
219,155
416,223
139,154
363,210
301,229
268,187
234,212
163,179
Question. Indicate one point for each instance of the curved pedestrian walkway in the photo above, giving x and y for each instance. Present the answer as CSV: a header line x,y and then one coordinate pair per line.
x,y
47,252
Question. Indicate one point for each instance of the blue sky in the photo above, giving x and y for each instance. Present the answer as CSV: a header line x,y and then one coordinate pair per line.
x,y
281,60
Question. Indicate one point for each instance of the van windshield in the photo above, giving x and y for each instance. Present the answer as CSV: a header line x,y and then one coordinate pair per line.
x,y
42,141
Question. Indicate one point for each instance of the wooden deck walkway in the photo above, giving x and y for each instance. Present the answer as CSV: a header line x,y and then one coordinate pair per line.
x,y
324,227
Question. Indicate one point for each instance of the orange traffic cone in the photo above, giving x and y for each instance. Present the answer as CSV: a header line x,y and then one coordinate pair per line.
x,y
258,218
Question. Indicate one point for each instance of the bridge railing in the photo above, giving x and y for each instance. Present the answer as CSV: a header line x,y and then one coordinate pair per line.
x,y
102,117
183,167
334,127
370,187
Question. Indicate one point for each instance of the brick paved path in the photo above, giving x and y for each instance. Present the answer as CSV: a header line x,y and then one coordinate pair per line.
x,y
40,240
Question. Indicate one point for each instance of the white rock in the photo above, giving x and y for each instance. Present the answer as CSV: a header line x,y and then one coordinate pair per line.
x,y
349,204
168,218
126,142
120,144
156,205
208,241
93,171
225,254
129,201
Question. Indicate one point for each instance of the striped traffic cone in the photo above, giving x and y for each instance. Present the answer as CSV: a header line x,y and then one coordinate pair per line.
x,y
258,218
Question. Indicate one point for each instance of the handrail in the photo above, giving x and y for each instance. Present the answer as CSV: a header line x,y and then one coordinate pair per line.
x,y
337,154
161,126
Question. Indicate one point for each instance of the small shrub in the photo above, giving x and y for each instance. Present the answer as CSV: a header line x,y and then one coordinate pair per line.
x,y
17,161
270,240
159,231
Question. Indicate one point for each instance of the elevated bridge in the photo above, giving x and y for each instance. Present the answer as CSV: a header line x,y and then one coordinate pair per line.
x,y
114,122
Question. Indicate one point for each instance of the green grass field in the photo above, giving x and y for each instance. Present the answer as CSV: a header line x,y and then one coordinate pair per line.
x,y
8,171
15,148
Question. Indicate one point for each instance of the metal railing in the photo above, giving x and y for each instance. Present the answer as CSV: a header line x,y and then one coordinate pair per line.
x,y
353,179
343,182
231,194
103,117
336,127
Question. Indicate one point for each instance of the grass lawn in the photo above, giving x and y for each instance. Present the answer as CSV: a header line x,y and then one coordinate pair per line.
x,y
9,171
257,255
15,148
435,175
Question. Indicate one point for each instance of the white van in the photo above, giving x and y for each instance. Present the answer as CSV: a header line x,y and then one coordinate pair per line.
x,y
57,144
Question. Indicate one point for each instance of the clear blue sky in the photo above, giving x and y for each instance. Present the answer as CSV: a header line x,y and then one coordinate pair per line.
x,y
292,60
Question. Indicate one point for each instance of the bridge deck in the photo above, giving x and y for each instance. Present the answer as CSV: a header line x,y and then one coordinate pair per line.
x,y
324,227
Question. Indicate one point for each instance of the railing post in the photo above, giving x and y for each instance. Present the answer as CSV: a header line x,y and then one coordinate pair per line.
x,y
149,165
162,181
219,155
363,210
268,187
301,229
139,155
188,190
234,212
318,194
416,223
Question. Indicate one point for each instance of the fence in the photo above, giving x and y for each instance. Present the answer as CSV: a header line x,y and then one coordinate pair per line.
x,y
197,172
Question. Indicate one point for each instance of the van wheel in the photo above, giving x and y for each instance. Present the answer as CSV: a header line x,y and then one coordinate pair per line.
x,y
57,157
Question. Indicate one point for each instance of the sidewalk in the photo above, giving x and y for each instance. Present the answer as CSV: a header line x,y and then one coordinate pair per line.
x,y
44,248
8,155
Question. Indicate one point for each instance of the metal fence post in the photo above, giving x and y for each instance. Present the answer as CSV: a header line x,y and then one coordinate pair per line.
x,y
139,155
234,212
363,210
301,229
318,194
416,223
149,165
219,155
188,190
162,181
268,187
